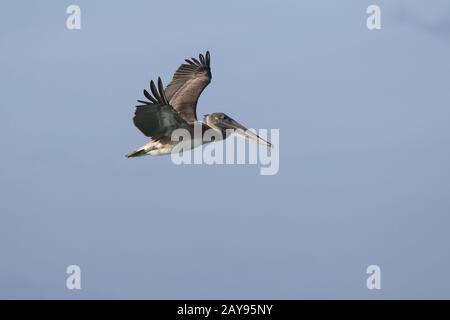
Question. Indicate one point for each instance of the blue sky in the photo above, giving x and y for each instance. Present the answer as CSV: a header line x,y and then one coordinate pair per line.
x,y
364,151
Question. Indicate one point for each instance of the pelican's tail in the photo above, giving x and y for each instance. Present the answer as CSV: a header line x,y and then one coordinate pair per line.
x,y
137,153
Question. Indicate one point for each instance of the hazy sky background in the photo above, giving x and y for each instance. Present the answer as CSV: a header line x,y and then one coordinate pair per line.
x,y
364,153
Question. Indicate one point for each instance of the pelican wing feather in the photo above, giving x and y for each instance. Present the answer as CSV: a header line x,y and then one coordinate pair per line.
x,y
187,84
156,118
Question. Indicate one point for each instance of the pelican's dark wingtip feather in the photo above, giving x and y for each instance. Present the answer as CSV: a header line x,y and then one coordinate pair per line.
x,y
149,96
154,91
202,58
207,58
161,91
189,61
143,102
195,60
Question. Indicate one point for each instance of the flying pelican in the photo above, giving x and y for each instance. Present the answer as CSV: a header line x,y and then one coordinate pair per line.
x,y
175,108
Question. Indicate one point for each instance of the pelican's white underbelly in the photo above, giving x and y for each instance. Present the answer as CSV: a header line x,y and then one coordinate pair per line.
x,y
158,149
160,152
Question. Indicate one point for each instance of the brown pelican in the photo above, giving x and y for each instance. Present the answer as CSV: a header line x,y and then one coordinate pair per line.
x,y
175,108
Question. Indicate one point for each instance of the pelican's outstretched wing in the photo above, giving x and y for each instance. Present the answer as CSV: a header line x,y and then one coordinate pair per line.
x,y
187,84
156,118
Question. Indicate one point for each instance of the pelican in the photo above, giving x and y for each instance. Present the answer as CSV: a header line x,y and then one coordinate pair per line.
x,y
175,107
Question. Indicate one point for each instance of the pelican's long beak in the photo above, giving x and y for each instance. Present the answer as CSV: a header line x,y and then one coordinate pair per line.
x,y
243,131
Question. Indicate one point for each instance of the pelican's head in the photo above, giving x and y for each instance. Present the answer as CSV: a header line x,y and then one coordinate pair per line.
x,y
223,123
